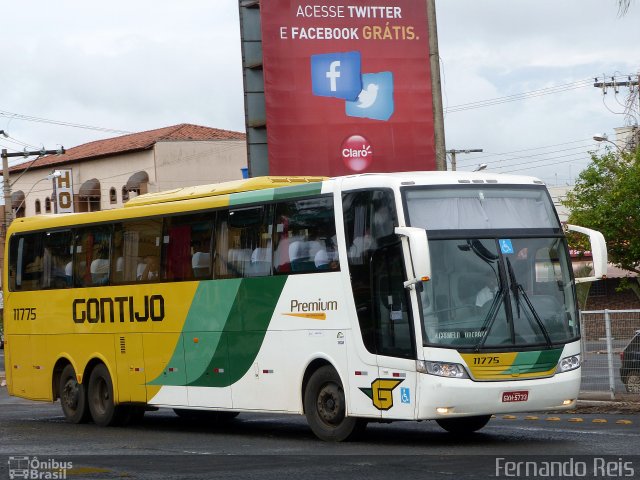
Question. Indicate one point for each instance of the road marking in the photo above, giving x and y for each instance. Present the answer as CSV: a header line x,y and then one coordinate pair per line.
x,y
599,420
575,430
532,417
553,419
624,422
509,417
575,420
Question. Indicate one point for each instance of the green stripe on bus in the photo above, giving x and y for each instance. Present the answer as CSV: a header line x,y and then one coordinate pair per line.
x,y
534,362
306,189
229,319
280,193
256,196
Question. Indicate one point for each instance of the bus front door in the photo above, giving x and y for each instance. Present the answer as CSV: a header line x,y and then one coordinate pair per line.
x,y
395,342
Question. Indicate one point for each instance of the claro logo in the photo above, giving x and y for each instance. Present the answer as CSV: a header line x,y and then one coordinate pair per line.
x,y
357,153
118,309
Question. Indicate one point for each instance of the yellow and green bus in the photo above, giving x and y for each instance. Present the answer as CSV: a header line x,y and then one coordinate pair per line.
x,y
409,296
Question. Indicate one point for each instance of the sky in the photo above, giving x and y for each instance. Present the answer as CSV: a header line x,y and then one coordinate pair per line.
x,y
517,76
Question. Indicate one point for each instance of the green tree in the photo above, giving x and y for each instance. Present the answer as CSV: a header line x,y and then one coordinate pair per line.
x,y
606,197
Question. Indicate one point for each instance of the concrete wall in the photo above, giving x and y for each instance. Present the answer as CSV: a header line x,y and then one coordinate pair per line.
x,y
184,164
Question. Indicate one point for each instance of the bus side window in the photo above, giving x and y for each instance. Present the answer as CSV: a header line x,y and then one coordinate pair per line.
x,y
243,242
26,262
187,247
91,257
137,249
306,236
57,259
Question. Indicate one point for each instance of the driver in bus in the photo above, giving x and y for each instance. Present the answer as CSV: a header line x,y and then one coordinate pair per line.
x,y
488,292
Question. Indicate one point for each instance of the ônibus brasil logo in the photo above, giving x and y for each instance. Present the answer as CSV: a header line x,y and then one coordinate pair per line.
x,y
357,153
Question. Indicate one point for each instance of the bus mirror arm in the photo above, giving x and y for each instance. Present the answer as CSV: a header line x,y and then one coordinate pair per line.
x,y
420,258
598,253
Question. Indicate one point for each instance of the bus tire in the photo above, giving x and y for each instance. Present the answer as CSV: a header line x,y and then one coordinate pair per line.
x,y
73,397
325,407
463,425
100,398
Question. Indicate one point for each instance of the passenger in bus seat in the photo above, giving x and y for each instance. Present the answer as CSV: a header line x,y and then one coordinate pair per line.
x,y
152,268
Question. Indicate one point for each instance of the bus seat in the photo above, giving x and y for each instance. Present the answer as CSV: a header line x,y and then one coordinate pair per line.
x,y
299,255
238,259
99,271
68,273
140,270
296,250
201,264
321,259
260,264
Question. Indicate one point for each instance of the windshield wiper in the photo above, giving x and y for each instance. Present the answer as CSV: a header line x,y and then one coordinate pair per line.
x,y
517,289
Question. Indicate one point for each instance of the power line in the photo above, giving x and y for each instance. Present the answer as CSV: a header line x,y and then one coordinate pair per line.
x,y
30,118
520,96
579,147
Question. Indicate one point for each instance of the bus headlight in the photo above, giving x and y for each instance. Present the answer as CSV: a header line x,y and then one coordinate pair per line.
x,y
568,363
441,369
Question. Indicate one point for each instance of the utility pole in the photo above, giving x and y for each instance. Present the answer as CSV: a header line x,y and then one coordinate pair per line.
x,y
436,87
6,187
615,84
630,83
633,84
454,152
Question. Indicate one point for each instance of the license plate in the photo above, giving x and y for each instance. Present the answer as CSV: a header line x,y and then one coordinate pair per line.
x,y
518,396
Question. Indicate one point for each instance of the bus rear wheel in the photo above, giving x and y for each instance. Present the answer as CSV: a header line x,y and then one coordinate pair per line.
x,y
73,397
462,425
325,407
100,398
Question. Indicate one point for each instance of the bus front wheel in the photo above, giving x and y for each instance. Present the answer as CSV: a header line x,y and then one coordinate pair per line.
x,y
462,425
100,398
73,397
325,407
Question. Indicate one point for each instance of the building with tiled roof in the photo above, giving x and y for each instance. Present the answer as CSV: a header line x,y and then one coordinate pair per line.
x,y
105,173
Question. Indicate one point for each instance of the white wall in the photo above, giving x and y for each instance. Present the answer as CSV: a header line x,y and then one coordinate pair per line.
x,y
169,165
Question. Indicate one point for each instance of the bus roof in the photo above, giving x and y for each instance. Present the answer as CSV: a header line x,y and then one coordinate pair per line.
x,y
235,186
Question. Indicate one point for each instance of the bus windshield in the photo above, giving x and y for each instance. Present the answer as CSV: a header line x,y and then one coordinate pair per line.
x,y
469,207
503,287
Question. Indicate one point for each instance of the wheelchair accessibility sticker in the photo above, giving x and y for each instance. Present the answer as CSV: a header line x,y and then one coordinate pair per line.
x,y
405,395
505,246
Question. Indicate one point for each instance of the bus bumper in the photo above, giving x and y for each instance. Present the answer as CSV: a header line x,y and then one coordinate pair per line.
x,y
451,397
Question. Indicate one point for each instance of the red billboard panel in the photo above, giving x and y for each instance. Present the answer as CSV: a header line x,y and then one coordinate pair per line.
x,y
347,86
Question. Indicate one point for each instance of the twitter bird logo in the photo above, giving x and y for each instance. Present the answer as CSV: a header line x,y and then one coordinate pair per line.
x,y
376,98
368,96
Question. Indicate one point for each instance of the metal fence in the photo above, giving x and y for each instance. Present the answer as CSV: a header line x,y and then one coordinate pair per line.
x,y
605,334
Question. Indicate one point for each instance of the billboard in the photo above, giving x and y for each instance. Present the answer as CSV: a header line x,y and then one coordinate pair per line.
x,y
347,86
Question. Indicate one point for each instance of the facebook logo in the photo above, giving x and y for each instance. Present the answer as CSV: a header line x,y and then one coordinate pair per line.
x,y
336,75
375,101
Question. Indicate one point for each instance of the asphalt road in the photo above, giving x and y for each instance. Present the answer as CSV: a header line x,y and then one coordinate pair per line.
x,y
272,446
